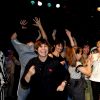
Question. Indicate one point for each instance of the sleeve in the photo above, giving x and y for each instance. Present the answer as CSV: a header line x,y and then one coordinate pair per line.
x,y
24,84
67,76
17,45
20,47
78,64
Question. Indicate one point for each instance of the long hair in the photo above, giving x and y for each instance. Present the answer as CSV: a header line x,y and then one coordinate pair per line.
x,y
71,55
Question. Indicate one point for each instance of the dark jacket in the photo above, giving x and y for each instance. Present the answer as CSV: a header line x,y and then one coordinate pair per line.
x,y
44,82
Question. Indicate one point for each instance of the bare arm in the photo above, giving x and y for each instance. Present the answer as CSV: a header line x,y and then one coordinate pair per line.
x,y
87,69
68,33
39,35
39,25
75,42
61,87
54,34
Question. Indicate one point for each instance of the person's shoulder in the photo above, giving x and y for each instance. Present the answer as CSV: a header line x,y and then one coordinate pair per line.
x,y
55,62
31,62
50,58
50,55
95,56
78,63
34,58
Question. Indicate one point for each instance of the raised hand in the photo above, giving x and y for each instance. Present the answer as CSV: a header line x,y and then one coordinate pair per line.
x,y
39,25
37,22
24,23
68,32
54,34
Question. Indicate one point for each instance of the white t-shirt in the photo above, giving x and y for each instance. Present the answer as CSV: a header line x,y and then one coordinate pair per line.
x,y
95,76
73,73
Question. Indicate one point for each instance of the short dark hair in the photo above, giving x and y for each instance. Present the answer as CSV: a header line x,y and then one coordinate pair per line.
x,y
57,42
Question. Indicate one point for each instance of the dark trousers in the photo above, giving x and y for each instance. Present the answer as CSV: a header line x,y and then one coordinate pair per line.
x,y
95,90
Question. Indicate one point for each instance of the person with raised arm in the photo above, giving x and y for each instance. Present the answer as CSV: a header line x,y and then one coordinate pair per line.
x,y
25,52
39,25
72,40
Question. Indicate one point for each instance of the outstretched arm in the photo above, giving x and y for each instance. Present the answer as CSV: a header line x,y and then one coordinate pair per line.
x,y
39,25
68,33
19,47
39,35
14,39
75,42
54,34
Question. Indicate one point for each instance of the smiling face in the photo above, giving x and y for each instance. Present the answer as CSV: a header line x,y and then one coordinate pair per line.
x,y
86,49
59,48
43,50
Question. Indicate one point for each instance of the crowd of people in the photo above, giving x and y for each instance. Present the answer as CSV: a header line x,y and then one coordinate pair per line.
x,y
50,71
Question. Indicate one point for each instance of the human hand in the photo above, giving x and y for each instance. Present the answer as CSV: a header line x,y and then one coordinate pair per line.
x,y
37,22
61,87
68,32
23,24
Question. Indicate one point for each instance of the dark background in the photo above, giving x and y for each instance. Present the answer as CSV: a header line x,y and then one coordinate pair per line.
x,y
79,16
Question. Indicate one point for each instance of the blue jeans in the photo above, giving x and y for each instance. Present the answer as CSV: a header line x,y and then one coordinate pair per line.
x,y
69,98
22,93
